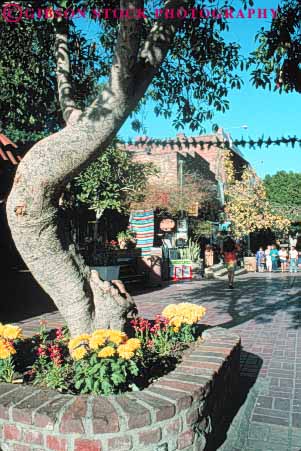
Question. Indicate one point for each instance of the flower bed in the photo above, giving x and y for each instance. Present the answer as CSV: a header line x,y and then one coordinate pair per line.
x,y
105,361
167,405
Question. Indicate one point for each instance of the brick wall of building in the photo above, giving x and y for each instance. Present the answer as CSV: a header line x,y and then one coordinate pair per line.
x,y
199,154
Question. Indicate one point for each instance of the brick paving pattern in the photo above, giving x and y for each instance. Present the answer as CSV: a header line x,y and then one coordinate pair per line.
x,y
265,310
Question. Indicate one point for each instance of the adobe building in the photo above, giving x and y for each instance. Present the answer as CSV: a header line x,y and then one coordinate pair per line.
x,y
202,154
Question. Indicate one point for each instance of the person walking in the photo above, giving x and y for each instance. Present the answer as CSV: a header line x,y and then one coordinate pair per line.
x,y
260,259
299,259
293,258
283,259
229,252
268,259
274,256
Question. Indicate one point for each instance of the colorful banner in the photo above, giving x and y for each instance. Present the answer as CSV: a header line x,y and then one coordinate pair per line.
x,y
142,224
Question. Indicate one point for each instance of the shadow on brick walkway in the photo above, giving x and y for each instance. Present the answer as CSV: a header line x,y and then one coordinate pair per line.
x,y
250,367
265,310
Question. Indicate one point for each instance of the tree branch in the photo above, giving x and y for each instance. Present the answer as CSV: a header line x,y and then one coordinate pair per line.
x,y
156,45
126,51
68,106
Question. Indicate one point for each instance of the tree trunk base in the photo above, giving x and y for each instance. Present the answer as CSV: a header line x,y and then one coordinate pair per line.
x,y
112,303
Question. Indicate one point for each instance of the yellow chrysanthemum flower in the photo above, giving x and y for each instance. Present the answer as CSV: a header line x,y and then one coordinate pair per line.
x,y
116,336
100,332
133,344
96,341
125,352
11,332
169,311
176,322
79,353
1,328
80,339
107,351
4,353
184,313
6,349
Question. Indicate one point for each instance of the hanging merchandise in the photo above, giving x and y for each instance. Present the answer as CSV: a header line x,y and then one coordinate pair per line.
x,y
142,224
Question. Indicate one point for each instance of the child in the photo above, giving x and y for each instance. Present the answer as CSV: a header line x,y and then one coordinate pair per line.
x,y
260,259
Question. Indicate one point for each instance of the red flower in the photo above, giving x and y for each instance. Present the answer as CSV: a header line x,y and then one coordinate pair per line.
x,y
55,354
140,324
41,351
156,327
59,334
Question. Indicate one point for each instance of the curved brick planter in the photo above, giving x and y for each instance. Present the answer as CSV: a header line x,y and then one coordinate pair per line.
x,y
175,413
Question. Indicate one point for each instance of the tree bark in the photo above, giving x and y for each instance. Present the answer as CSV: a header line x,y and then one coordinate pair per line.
x,y
83,299
40,235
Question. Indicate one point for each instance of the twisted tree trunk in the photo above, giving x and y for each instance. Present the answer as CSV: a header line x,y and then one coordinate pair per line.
x,y
84,300
40,235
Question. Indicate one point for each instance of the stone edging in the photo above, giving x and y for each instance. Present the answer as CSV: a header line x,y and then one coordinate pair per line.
x,y
176,412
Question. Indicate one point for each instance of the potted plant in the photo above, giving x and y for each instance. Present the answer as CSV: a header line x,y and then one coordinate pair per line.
x,y
105,264
126,239
192,253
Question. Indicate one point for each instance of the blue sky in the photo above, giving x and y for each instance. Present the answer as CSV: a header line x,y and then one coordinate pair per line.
x,y
265,113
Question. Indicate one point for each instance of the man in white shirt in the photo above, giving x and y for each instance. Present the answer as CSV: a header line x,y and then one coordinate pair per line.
x,y
293,256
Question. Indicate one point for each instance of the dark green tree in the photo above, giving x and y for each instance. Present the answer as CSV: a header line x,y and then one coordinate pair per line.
x,y
284,193
112,182
276,62
29,99
186,66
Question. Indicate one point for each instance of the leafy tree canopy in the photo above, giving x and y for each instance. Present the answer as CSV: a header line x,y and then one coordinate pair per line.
x,y
284,192
28,87
113,181
193,81
277,59
247,205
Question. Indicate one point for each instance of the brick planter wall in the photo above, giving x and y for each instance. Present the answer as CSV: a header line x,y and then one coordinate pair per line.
x,y
177,412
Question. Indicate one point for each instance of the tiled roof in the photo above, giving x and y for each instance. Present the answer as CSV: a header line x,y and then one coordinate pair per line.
x,y
7,150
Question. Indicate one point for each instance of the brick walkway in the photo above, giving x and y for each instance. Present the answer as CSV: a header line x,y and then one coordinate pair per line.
x,y
265,309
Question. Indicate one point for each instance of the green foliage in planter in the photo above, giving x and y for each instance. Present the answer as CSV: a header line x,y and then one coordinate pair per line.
x,y
104,376
9,337
191,252
53,366
125,235
108,361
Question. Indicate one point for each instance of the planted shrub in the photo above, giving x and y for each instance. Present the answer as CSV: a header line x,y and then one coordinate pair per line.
x,y
106,361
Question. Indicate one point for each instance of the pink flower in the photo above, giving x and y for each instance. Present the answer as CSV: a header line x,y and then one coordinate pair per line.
x,y
55,354
41,351
59,334
156,327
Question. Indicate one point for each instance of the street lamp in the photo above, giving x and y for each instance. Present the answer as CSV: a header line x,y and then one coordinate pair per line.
x,y
181,162
244,126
